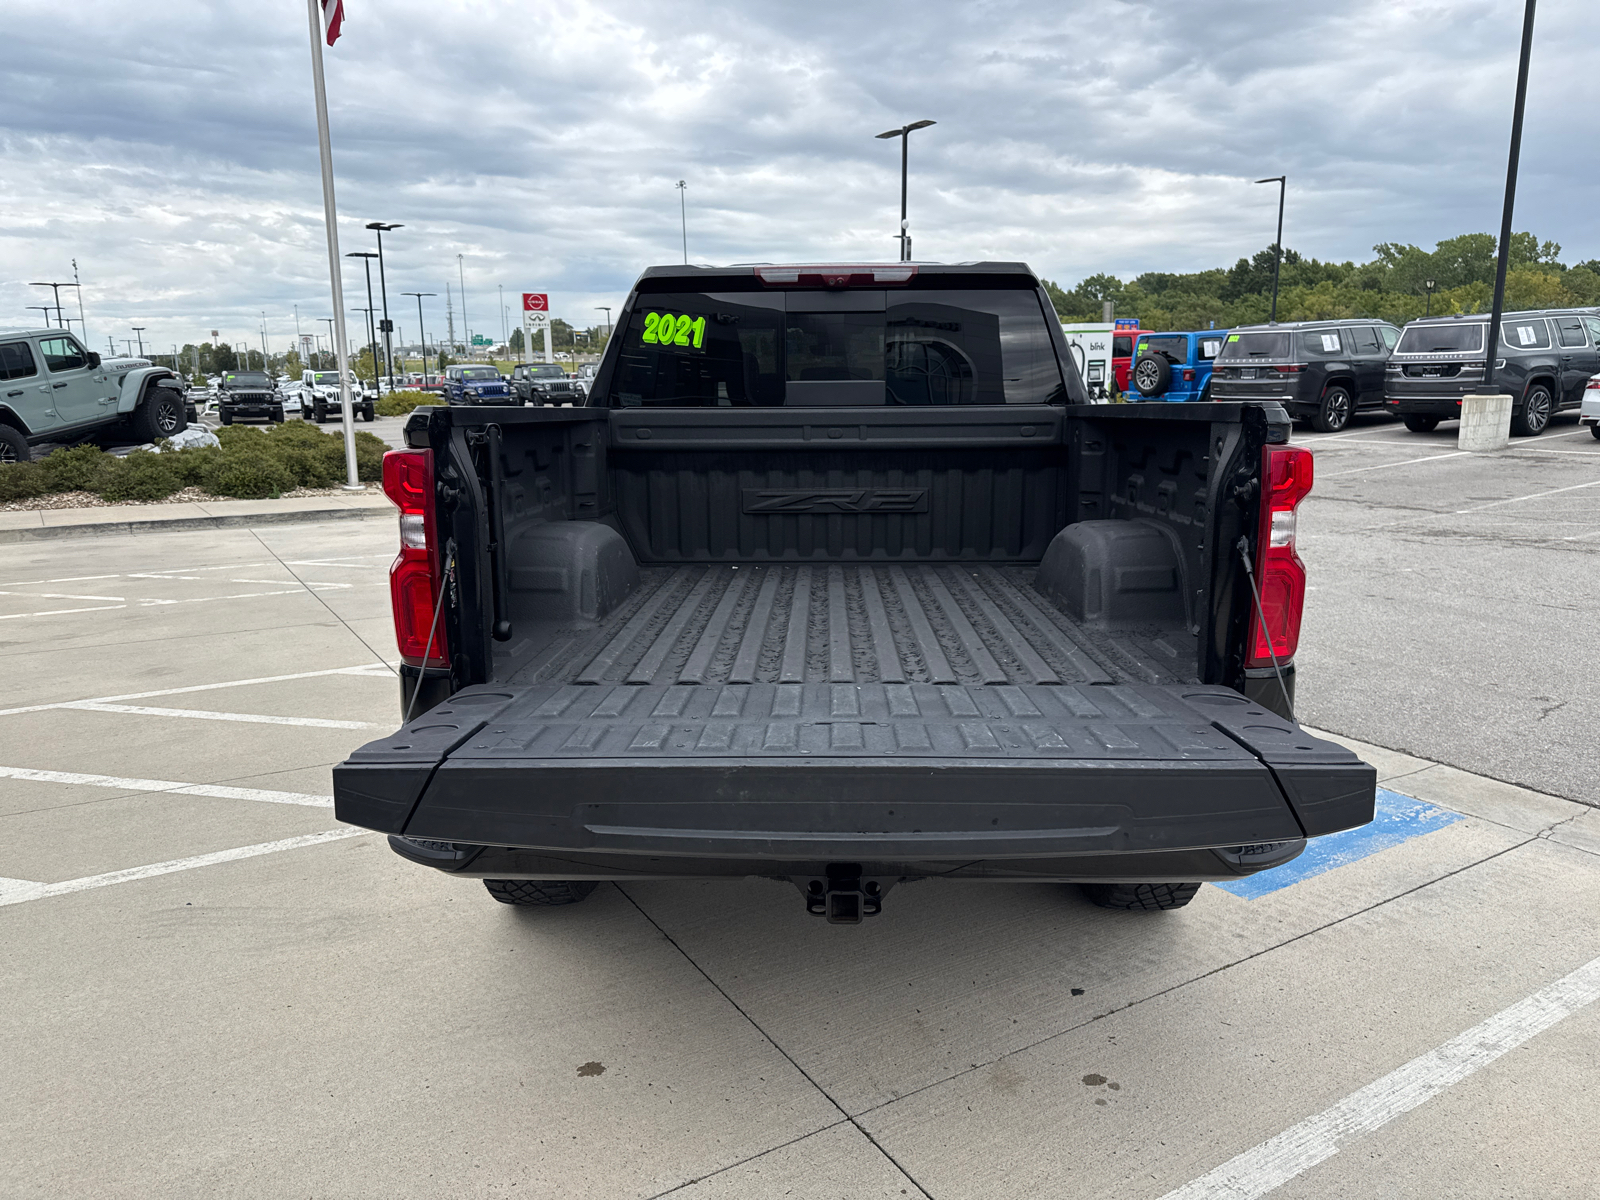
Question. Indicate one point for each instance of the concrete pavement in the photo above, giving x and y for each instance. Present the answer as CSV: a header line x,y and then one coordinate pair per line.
x,y
219,991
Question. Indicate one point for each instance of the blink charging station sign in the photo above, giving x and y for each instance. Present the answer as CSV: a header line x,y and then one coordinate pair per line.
x,y
536,319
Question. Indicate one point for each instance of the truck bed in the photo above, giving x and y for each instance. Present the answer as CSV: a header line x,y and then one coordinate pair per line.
x,y
912,624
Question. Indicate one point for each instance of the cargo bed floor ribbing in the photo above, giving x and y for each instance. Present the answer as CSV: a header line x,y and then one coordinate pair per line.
x,y
892,624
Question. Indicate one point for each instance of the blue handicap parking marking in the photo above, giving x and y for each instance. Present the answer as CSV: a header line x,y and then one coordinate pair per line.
x,y
1398,819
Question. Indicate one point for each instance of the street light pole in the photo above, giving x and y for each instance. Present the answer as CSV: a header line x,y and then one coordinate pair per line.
x,y
1493,346
366,257
56,290
683,217
139,329
461,274
423,332
904,134
605,308
1277,247
1429,285
380,228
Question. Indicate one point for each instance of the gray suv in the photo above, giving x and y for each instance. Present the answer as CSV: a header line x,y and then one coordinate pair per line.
x,y
1321,371
53,390
543,383
1544,362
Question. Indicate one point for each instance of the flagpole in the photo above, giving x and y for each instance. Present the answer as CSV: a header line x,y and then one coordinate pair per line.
x,y
331,218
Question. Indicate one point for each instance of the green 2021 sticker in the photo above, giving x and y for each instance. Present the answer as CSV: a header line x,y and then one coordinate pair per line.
x,y
664,329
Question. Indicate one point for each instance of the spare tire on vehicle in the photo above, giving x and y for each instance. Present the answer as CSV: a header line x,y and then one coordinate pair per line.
x,y
1152,375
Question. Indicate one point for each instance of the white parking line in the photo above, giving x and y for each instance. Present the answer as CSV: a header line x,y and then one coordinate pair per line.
x,y
215,790
201,714
367,671
57,612
1403,463
20,891
1535,496
1297,1149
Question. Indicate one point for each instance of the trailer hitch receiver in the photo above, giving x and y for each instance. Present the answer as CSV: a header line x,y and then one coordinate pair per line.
x,y
843,897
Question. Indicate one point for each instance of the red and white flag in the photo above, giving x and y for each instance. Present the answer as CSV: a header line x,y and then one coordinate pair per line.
x,y
333,12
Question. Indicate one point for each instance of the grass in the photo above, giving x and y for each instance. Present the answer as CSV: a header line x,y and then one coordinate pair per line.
x,y
251,464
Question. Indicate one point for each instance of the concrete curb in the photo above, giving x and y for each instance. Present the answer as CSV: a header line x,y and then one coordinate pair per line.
x,y
182,524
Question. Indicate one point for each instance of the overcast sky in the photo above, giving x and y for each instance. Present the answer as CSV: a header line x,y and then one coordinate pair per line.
x,y
171,149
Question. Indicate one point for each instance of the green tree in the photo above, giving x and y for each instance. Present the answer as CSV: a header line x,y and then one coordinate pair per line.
x,y
515,344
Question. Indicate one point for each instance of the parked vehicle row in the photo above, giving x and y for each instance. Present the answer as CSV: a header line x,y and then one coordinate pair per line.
x,y
1324,372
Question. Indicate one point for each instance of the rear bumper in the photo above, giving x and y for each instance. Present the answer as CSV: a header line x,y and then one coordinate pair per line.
x,y
1285,393
547,797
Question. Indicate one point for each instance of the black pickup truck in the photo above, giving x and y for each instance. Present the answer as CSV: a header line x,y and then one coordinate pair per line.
x,y
839,579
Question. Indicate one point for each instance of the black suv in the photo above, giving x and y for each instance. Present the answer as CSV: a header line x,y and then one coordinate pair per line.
x,y
1321,371
544,383
1544,361
248,396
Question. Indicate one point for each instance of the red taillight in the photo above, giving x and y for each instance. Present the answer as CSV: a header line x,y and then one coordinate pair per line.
x,y
414,577
836,277
1593,385
1286,474
1291,369
1188,374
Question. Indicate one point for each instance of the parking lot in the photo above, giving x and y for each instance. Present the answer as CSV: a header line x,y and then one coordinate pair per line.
x,y
214,989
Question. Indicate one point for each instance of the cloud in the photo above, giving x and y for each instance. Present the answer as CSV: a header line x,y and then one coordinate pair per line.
x,y
176,159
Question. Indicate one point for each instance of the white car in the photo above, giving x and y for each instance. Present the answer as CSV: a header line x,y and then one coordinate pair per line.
x,y
1589,414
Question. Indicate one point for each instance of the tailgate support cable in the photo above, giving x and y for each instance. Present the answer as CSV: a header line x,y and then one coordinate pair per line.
x,y
1250,574
427,650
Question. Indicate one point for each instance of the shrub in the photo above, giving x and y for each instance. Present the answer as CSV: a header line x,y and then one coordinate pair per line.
x,y
190,464
246,477
370,449
22,481
398,404
79,469
142,475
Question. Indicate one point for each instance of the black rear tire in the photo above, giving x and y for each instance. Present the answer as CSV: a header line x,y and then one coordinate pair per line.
x,y
225,417
1595,429
1420,424
540,893
1140,897
1537,406
14,447
1334,414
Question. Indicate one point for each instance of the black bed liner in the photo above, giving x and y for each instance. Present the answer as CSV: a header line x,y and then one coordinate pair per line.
x,y
892,624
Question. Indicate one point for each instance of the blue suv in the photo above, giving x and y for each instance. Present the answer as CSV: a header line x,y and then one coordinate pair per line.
x,y
1174,366
476,385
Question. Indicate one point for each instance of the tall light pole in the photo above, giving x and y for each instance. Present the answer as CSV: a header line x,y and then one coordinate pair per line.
x,y
505,335
461,274
605,308
1493,346
422,329
683,217
1277,247
904,134
1429,285
46,310
139,330
83,325
366,257
328,321
264,353
380,228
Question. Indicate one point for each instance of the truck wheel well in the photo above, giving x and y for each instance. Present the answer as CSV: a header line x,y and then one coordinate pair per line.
x,y
7,417
1347,382
1550,386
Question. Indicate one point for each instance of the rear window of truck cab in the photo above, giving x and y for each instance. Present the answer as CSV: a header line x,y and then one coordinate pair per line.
x,y
797,347
1256,345
1441,339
